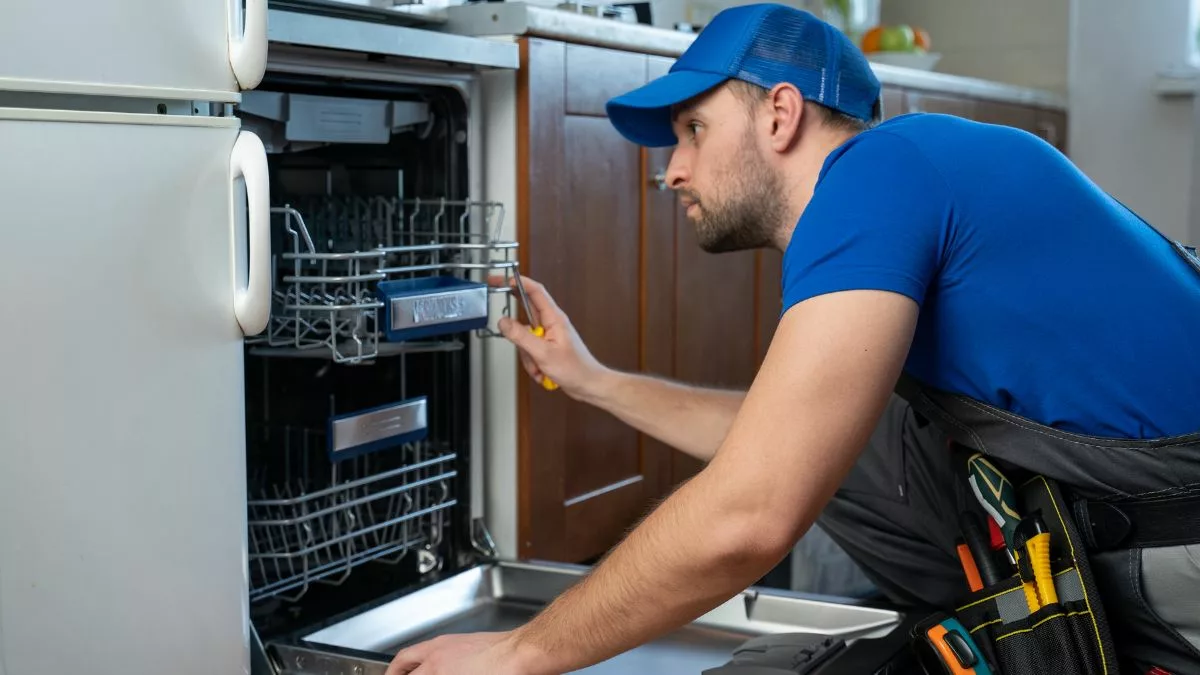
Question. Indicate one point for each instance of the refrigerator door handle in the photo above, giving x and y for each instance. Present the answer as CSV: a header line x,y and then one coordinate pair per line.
x,y
248,51
252,299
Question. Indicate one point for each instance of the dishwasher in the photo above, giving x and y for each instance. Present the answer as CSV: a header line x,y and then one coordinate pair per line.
x,y
365,523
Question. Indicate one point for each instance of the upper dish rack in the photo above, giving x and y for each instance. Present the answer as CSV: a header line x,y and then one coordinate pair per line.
x,y
360,277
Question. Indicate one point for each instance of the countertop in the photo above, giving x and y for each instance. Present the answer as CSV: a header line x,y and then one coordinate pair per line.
x,y
519,18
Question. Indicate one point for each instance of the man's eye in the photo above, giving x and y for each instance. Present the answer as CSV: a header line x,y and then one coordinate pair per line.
x,y
693,128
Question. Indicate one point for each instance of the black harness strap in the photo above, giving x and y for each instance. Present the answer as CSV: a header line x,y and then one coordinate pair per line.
x,y
1145,522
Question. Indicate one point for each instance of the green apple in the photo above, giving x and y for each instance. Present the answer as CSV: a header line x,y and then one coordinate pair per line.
x,y
897,39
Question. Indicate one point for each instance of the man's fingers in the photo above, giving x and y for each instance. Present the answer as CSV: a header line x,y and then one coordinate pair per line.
x,y
408,660
530,366
545,306
520,335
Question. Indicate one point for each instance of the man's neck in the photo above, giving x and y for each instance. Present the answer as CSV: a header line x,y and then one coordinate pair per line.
x,y
800,177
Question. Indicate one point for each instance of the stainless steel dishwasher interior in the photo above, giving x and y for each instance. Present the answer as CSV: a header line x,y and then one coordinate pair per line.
x,y
501,596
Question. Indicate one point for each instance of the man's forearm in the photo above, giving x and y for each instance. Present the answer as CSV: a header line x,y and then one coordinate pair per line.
x,y
694,420
648,584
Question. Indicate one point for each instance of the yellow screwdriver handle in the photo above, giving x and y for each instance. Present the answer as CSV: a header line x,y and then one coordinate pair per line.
x,y
547,383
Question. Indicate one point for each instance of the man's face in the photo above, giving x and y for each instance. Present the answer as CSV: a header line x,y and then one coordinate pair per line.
x,y
733,196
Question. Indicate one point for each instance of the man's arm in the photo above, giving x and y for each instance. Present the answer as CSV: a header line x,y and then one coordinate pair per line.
x,y
692,419
824,384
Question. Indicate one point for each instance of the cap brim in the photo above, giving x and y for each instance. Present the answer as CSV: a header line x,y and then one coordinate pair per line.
x,y
644,114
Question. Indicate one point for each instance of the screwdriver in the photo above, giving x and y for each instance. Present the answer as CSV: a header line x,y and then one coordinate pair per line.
x,y
999,498
535,324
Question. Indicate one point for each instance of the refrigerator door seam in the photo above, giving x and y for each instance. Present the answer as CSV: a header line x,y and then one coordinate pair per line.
x,y
44,115
125,90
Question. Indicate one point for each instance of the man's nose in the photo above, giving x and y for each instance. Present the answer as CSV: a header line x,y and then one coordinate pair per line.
x,y
678,171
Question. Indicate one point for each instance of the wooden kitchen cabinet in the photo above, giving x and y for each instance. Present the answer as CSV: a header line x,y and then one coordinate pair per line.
x,y
583,477
621,259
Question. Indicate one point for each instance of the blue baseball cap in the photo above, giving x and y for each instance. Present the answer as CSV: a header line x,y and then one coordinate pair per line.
x,y
764,44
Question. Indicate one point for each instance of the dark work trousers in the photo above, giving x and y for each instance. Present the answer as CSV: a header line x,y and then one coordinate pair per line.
x,y
896,516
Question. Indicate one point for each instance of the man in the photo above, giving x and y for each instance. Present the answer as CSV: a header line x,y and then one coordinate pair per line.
x,y
972,258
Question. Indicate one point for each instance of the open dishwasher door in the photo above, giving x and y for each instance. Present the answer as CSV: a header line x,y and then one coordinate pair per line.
x,y
501,596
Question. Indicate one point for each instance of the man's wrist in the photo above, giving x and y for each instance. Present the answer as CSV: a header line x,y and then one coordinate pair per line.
x,y
528,657
600,387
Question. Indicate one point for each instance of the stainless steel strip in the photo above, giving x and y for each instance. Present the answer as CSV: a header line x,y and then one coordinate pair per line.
x,y
377,425
305,661
348,35
433,309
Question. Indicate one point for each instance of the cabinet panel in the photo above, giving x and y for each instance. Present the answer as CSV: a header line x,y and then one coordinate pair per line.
x,y
1052,126
893,102
584,476
715,318
659,225
595,75
769,299
541,418
598,288
1007,114
930,102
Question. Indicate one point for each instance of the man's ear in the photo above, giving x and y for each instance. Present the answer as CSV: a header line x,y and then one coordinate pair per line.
x,y
786,111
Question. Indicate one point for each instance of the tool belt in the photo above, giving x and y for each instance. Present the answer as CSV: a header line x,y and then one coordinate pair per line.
x,y
1041,614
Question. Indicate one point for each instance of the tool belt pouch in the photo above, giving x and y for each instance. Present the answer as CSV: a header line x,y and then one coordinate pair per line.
x,y
1065,634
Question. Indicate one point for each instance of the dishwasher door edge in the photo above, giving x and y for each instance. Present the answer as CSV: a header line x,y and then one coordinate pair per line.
x,y
508,591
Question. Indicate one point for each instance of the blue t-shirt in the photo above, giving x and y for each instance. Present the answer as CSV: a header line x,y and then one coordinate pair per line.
x,y
1038,292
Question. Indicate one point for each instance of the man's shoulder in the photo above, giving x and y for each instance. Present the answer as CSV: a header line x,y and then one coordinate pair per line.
x,y
954,148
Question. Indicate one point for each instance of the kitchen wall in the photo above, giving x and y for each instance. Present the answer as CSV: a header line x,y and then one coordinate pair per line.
x,y
1133,142
666,13
1022,42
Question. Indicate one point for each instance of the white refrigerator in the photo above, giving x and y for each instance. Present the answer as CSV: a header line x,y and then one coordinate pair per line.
x,y
133,274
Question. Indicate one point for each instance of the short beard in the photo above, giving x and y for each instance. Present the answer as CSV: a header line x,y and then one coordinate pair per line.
x,y
748,216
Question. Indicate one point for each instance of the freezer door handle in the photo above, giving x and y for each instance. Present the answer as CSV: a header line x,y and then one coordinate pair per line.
x,y
252,296
248,50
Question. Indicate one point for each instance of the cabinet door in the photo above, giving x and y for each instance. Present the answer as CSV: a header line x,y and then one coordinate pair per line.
x,y
584,476
1052,126
1007,114
929,102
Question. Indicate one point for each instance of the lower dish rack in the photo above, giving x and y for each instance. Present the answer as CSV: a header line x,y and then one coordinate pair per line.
x,y
361,277
309,525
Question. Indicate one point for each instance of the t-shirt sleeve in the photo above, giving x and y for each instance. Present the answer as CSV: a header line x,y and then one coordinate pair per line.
x,y
879,219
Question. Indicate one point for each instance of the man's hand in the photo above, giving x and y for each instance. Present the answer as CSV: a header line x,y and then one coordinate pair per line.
x,y
472,654
560,353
